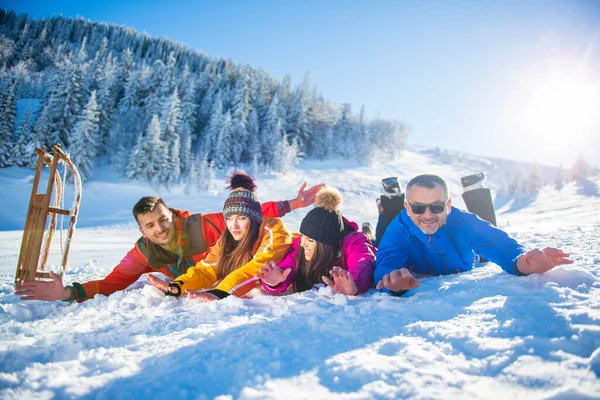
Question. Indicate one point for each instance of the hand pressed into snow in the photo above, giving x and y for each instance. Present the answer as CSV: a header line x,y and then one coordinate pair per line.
x,y
538,261
272,275
157,283
42,290
202,296
341,282
398,280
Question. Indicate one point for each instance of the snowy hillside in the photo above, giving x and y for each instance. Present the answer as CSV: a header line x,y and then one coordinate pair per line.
x,y
483,334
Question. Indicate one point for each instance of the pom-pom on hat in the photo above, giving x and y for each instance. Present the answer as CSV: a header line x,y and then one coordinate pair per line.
x,y
243,199
324,222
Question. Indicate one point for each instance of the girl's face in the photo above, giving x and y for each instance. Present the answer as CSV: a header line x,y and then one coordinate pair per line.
x,y
309,245
238,226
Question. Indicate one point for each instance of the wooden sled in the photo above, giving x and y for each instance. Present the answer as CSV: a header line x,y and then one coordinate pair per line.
x,y
35,245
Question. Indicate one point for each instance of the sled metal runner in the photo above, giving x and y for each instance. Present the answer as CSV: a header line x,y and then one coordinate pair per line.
x,y
37,239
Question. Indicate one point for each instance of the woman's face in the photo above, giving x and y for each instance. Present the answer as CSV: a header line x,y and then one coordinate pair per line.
x,y
309,245
238,226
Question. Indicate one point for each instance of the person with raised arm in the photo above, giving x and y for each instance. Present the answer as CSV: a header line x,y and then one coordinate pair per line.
x,y
249,241
172,241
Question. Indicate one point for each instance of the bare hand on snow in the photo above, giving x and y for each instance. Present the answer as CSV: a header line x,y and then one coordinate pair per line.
x,y
272,275
398,280
43,290
341,282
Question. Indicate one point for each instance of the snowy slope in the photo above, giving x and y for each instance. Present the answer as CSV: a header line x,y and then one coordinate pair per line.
x,y
482,334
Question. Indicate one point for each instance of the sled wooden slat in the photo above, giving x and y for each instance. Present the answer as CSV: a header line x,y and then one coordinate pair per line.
x,y
58,211
33,255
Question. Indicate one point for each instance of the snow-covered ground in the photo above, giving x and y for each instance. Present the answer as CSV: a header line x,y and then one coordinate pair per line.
x,y
483,334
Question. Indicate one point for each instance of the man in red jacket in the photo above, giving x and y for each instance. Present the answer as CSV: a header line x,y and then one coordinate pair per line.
x,y
172,241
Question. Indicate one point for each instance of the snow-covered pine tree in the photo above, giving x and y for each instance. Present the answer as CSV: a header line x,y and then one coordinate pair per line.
x,y
105,78
255,170
298,127
239,115
152,90
25,144
211,178
84,140
193,176
271,133
8,115
203,174
186,155
149,156
223,153
171,115
67,103
211,134
252,127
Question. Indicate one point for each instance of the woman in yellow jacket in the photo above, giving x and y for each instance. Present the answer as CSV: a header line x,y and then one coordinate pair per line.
x,y
244,247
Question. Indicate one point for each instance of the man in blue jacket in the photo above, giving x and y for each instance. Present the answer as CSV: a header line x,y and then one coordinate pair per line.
x,y
430,237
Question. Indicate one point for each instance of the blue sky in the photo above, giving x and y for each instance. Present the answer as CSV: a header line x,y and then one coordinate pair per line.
x,y
513,79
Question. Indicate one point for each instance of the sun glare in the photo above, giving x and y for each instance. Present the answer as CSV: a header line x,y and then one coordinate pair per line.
x,y
564,106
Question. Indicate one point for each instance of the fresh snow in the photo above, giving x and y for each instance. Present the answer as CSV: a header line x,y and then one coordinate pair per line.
x,y
482,334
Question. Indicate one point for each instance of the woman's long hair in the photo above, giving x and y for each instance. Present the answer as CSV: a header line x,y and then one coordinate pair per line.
x,y
308,273
235,254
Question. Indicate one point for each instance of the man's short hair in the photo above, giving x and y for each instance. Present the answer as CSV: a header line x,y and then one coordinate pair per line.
x,y
429,181
146,205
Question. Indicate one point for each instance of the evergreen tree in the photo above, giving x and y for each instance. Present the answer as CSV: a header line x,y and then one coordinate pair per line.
x,y
255,171
223,155
252,127
239,115
8,115
271,132
203,175
85,138
186,147
149,157
170,130
25,144
66,104
212,132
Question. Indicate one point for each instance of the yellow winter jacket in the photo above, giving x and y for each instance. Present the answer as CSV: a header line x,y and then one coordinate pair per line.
x,y
273,243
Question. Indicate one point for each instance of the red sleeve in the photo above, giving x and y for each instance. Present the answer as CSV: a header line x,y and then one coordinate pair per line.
x,y
213,226
275,209
131,267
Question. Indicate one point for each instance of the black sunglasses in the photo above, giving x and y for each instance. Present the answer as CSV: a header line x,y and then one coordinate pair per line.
x,y
437,208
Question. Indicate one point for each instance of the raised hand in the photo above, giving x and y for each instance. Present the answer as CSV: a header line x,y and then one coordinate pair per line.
x,y
272,275
538,261
341,282
307,197
202,296
157,283
398,280
43,290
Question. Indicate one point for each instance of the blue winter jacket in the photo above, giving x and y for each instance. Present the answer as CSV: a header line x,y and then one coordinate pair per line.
x,y
451,249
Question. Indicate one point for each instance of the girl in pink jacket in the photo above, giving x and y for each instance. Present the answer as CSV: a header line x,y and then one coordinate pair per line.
x,y
330,250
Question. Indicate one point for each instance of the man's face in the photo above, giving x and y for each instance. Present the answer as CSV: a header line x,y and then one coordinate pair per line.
x,y
158,226
428,222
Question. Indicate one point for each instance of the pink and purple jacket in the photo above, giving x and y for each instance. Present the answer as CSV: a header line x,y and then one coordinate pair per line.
x,y
358,254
